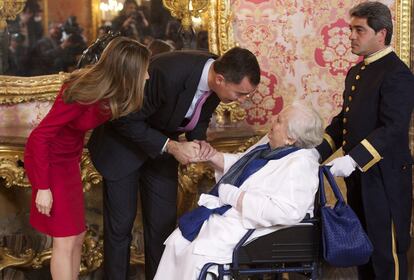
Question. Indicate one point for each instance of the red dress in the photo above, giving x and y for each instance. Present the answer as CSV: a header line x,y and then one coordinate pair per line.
x,y
52,157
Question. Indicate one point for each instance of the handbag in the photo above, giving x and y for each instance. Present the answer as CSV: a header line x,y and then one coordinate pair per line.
x,y
344,241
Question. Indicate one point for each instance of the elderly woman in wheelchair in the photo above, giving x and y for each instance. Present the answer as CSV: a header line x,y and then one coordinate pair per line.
x,y
270,186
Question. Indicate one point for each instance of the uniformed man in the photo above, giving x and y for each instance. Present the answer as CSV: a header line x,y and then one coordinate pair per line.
x,y
372,129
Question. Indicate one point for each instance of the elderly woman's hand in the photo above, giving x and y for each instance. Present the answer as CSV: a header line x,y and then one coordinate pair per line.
x,y
206,151
231,195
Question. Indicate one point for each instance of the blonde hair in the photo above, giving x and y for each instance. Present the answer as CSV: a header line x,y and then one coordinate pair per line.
x,y
118,76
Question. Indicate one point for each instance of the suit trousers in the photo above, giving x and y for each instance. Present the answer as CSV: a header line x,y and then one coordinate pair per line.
x,y
367,197
157,181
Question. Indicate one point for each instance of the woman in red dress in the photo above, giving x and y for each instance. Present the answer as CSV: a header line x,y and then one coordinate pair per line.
x,y
110,89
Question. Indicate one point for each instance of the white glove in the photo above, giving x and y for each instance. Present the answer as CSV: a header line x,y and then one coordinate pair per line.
x,y
342,166
209,201
229,194
315,154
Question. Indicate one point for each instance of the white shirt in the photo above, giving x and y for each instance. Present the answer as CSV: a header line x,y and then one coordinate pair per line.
x,y
201,88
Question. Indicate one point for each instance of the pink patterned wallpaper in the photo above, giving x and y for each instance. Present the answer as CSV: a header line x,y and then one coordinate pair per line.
x,y
303,50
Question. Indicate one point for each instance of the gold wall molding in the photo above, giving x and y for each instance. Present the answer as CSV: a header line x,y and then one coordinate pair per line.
x,y
220,28
402,31
15,90
14,175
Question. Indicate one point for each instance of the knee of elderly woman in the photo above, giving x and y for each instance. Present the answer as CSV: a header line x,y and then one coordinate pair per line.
x,y
296,125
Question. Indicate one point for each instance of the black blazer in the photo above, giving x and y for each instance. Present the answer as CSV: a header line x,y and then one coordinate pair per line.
x,y
121,146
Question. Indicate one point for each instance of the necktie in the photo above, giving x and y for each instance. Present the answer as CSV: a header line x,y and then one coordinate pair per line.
x,y
196,114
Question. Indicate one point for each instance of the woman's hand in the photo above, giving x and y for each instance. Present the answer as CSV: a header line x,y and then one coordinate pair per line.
x,y
206,151
44,201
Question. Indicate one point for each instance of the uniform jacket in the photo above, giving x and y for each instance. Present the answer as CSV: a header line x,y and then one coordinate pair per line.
x,y
120,147
372,128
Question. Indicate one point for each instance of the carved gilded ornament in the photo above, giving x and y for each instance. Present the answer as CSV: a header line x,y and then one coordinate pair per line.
x,y
15,90
9,10
184,10
403,30
11,169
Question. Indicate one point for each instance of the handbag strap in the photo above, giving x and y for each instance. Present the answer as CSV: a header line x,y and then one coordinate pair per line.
x,y
324,170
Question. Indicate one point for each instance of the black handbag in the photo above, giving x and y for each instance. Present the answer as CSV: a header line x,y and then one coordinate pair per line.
x,y
345,242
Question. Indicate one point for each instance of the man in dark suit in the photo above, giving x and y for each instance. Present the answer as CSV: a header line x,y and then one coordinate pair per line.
x,y
142,151
372,129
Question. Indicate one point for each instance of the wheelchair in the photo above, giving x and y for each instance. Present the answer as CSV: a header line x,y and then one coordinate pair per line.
x,y
292,249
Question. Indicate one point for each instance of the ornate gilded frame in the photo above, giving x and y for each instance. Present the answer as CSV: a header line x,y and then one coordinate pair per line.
x,y
16,90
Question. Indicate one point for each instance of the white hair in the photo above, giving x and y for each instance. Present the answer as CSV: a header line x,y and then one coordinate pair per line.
x,y
305,125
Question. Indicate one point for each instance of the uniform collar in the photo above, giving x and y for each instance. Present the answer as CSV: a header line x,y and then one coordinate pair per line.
x,y
377,55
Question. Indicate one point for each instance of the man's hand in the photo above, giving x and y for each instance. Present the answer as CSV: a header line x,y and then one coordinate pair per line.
x,y
44,201
183,151
342,166
206,151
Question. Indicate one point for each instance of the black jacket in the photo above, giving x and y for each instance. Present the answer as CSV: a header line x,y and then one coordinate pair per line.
x,y
119,147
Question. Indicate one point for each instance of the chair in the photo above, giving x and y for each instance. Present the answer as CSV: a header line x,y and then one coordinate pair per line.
x,y
292,249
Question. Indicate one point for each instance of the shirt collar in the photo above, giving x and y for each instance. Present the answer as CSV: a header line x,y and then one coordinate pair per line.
x,y
203,84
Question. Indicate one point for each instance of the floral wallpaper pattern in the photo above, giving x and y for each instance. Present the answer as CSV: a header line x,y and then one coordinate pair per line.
x,y
303,50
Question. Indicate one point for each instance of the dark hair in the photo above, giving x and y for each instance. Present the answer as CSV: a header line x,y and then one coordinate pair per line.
x,y
236,64
378,17
160,46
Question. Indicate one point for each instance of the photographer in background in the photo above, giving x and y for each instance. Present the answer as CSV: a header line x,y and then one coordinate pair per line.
x,y
45,52
72,46
131,21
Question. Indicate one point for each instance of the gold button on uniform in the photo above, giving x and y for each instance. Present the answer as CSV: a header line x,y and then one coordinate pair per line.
x,y
350,98
344,131
357,77
353,88
347,109
363,67
343,143
344,120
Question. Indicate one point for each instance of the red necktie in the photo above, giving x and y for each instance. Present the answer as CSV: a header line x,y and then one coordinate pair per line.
x,y
196,113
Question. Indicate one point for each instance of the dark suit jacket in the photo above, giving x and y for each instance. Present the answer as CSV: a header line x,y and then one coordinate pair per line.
x,y
121,146
372,128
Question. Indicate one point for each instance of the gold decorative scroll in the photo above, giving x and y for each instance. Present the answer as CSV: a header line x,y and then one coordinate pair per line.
x,y
14,175
403,29
10,168
9,10
15,90
92,256
185,9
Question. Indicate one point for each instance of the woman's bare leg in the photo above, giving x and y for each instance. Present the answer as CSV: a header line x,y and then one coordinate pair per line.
x,y
66,256
61,262
77,254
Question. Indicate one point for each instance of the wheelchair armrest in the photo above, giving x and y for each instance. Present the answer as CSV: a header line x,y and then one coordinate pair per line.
x,y
239,245
310,221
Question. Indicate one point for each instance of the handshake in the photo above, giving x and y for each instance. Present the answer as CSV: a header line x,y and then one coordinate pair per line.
x,y
188,152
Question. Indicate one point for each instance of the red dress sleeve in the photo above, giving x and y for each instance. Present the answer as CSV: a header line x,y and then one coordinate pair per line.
x,y
37,146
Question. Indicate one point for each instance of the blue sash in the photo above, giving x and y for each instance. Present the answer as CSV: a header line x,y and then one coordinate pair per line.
x,y
190,223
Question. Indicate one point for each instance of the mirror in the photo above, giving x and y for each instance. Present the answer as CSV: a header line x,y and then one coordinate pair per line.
x,y
48,37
